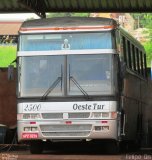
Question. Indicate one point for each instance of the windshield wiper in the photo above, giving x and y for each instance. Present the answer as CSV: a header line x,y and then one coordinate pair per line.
x,y
55,83
51,88
79,87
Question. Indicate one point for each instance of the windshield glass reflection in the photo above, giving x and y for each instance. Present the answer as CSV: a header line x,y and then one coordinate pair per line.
x,y
66,75
92,72
39,73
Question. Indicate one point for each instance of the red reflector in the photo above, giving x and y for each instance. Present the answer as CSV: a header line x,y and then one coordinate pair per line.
x,y
68,122
32,122
29,135
104,121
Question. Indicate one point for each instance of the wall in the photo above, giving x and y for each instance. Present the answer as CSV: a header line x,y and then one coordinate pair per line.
x,y
8,101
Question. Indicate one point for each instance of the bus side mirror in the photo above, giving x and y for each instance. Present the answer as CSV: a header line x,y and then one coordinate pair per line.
x,y
10,72
123,69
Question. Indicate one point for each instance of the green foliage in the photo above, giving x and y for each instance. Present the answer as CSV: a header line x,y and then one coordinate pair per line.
x,y
144,19
148,48
7,55
80,15
67,14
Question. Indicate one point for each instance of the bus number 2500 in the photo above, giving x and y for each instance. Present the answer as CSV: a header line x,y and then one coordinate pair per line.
x,y
32,107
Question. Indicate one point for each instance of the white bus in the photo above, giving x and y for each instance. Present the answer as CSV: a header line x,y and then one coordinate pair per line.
x,y
78,80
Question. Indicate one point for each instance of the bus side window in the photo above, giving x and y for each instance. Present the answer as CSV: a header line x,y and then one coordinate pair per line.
x,y
137,60
144,65
124,49
129,54
141,63
134,57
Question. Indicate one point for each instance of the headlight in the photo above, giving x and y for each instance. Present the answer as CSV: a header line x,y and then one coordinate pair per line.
x,y
105,128
105,115
32,116
97,115
26,116
34,129
35,116
27,129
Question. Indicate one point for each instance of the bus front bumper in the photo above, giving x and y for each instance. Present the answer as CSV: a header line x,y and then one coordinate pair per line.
x,y
58,130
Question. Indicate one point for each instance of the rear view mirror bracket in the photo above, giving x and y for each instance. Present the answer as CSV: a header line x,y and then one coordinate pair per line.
x,y
10,72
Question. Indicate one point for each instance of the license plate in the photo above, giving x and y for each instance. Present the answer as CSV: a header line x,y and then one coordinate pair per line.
x,y
29,135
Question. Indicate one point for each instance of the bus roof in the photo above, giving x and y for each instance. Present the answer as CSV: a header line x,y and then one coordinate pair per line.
x,y
68,22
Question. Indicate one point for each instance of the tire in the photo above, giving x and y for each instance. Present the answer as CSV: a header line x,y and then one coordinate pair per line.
x,y
36,147
113,147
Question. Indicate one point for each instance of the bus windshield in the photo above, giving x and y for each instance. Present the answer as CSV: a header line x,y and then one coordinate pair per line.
x,y
61,41
66,75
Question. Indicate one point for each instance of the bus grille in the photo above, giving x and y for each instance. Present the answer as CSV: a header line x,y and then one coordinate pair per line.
x,y
62,128
82,115
66,130
65,134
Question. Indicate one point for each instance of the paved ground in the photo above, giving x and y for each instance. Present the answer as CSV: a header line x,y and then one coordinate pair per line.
x,y
25,155
74,153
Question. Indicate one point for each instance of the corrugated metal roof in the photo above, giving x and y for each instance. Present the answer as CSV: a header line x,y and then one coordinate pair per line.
x,y
43,6
98,5
11,6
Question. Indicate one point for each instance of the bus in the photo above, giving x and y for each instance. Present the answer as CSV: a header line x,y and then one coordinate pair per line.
x,y
81,79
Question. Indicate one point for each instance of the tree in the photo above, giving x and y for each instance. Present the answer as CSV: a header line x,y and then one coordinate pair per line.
x,y
67,14
148,48
145,21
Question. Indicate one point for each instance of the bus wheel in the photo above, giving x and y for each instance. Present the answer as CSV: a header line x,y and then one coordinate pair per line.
x,y
36,147
113,147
